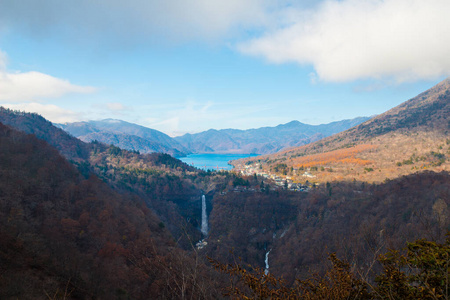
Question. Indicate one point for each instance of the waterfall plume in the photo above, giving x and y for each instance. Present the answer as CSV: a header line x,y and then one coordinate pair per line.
x,y
266,261
204,228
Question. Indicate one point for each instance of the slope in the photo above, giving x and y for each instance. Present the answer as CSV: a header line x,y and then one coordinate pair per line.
x,y
68,237
35,124
408,138
126,136
171,189
262,140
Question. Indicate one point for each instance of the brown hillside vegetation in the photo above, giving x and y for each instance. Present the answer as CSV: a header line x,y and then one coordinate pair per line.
x,y
355,220
419,273
346,156
171,189
411,137
114,224
65,236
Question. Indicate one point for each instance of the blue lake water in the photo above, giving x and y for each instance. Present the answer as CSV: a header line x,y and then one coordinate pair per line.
x,y
213,161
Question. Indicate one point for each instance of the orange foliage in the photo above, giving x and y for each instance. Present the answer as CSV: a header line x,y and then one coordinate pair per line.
x,y
346,156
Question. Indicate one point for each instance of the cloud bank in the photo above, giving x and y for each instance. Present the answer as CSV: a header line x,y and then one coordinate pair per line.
x,y
24,91
343,40
133,20
29,86
32,86
347,40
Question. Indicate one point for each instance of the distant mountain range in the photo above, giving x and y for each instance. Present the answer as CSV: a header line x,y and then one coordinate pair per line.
x,y
260,141
410,137
101,222
126,136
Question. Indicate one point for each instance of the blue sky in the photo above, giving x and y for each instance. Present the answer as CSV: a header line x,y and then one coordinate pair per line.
x,y
187,66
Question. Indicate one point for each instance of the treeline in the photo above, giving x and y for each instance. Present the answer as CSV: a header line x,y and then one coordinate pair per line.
x,y
356,220
115,224
65,236
169,187
248,224
419,272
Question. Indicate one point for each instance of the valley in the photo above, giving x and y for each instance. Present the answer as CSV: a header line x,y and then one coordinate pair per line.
x,y
264,140
108,223
407,139
215,150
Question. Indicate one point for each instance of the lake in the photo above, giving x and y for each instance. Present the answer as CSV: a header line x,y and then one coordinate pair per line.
x,y
213,161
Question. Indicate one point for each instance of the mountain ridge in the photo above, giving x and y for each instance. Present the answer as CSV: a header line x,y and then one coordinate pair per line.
x,y
255,141
263,140
126,136
407,138
110,221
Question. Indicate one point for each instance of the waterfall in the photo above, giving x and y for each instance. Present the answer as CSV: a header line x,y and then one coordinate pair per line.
x,y
266,271
204,228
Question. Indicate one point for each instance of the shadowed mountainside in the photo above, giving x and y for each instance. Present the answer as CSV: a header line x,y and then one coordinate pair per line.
x,y
170,187
126,136
262,140
35,124
68,237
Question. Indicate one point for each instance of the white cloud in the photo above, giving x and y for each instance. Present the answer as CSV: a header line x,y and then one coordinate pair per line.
x,y
21,91
51,112
347,40
19,87
133,20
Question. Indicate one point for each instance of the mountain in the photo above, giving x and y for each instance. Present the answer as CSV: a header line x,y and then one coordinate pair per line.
x,y
295,232
126,136
65,220
73,237
43,129
157,177
408,138
263,140
106,223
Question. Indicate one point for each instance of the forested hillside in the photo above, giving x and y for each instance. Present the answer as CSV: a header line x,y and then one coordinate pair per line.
x,y
35,124
67,236
409,138
126,136
355,220
93,221
169,187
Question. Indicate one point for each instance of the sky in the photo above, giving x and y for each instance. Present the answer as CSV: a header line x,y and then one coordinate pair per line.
x,y
183,66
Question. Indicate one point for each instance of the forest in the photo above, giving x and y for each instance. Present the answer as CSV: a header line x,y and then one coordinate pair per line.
x,y
92,221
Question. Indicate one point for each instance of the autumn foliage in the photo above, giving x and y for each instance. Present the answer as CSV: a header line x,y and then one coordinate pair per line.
x,y
65,236
420,273
92,221
345,156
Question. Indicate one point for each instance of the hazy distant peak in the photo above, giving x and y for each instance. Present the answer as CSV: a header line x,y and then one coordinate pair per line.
x,y
112,121
126,136
294,123
262,140
212,130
